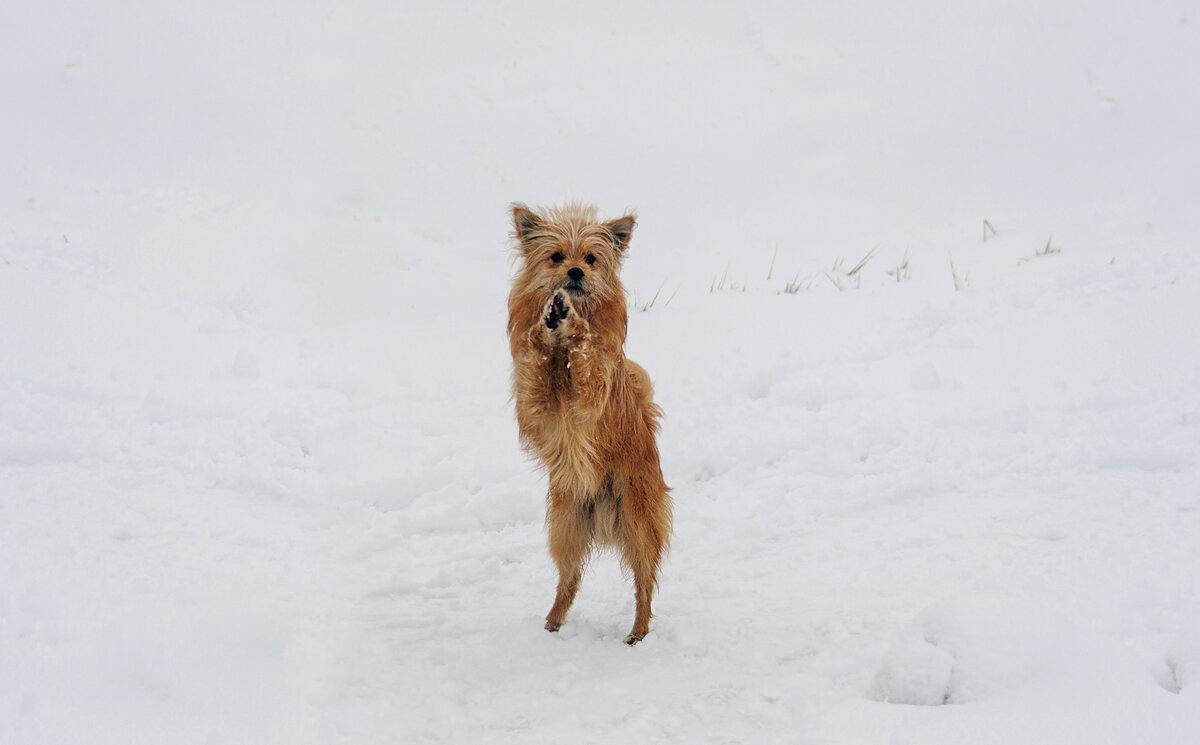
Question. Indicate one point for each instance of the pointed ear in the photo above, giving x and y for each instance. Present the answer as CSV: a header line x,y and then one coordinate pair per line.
x,y
621,229
524,221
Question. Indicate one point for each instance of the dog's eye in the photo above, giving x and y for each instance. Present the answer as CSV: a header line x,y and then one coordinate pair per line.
x,y
591,259
557,258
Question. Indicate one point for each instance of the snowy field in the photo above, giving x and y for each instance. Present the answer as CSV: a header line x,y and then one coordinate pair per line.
x,y
259,473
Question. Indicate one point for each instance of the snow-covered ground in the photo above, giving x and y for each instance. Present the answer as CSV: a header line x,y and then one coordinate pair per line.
x,y
259,477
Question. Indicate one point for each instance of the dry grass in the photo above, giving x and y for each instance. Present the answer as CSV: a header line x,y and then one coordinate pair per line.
x,y
902,270
643,307
851,279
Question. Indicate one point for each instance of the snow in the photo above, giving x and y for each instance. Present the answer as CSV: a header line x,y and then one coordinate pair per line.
x,y
259,474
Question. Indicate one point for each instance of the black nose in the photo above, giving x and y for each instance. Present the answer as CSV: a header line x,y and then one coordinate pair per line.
x,y
575,273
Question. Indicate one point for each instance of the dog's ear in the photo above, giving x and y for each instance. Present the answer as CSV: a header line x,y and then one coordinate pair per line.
x,y
524,222
621,229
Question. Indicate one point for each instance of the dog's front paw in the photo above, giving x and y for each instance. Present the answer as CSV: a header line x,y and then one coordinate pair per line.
x,y
563,324
557,310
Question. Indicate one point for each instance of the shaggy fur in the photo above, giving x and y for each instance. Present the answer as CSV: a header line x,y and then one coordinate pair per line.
x,y
584,411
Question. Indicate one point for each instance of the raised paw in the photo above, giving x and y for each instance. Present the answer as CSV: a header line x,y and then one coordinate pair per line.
x,y
557,310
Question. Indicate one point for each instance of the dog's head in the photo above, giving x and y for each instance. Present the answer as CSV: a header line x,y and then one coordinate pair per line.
x,y
569,248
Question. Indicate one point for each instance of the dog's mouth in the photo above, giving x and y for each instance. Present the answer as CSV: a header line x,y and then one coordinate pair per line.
x,y
573,287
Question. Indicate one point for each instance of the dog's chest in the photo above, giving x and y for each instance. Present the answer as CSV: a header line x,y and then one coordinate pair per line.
x,y
569,451
569,441
558,370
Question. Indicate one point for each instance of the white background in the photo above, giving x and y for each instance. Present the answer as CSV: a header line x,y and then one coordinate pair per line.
x,y
259,477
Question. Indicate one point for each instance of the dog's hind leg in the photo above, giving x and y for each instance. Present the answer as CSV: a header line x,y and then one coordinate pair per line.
x,y
570,544
644,582
568,586
646,527
643,552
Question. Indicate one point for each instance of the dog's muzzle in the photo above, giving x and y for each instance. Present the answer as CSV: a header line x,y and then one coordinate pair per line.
x,y
574,280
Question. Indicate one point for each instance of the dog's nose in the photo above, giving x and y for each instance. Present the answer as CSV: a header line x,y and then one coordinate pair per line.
x,y
575,273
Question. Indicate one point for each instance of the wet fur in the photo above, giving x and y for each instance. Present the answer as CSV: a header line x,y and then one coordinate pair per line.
x,y
584,411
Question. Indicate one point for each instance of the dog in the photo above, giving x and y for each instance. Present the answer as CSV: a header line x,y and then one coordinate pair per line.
x,y
584,411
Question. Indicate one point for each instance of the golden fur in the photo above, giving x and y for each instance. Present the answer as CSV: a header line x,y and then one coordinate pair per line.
x,y
584,411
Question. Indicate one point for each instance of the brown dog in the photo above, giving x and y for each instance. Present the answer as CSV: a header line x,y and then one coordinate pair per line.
x,y
584,411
